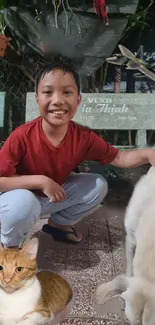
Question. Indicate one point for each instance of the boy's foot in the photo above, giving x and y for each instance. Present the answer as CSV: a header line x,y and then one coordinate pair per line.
x,y
62,233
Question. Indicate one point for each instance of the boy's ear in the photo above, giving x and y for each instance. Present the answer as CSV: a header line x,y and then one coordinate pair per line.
x,y
79,99
36,97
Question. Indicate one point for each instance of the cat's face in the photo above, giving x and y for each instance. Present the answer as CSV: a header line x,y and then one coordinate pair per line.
x,y
18,267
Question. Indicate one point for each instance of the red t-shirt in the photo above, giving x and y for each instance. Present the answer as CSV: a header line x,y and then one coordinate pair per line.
x,y
27,151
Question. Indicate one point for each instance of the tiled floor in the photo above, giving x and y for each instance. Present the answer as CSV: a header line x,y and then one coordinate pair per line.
x,y
98,258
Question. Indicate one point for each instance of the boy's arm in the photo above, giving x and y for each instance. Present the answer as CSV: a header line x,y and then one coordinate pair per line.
x,y
31,182
11,153
134,158
99,150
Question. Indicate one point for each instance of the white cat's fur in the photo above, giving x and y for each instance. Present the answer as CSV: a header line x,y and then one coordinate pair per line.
x,y
137,286
25,298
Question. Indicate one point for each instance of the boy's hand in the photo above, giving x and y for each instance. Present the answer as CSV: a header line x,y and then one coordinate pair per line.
x,y
53,190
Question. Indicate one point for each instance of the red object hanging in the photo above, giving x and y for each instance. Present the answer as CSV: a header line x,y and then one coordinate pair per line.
x,y
100,9
3,44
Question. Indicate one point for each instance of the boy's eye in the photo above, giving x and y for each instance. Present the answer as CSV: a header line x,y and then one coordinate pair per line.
x,y
47,92
68,92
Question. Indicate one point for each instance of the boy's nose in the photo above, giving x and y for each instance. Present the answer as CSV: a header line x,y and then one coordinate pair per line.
x,y
57,99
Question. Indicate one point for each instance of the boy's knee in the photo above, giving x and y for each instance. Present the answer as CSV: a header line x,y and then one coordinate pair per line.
x,y
102,186
96,189
99,186
19,204
19,210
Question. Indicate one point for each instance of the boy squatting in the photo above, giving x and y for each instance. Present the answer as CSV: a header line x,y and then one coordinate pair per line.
x,y
38,159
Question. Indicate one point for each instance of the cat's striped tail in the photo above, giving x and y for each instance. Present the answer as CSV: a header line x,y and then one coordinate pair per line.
x,y
110,289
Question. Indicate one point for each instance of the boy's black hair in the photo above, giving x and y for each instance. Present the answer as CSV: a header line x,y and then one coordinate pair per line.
x,y
61,65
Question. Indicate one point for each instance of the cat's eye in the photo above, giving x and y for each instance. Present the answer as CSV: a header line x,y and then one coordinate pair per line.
x,y
1,267
19,269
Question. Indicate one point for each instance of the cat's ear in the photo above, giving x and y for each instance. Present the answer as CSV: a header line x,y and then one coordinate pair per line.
x,y
31,248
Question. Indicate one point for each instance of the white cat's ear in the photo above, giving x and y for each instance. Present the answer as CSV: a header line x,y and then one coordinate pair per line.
x,y
31,248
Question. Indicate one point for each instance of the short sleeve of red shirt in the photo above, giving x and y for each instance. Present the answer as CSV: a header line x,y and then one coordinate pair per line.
x,y
10,154
99,150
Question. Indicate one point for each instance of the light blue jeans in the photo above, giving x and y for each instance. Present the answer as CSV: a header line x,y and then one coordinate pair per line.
x,y
20,209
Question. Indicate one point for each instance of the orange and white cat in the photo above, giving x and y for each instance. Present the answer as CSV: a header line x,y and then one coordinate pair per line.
x,y
28,297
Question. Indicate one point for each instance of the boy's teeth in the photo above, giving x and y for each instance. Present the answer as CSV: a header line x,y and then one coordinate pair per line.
x,y
58,112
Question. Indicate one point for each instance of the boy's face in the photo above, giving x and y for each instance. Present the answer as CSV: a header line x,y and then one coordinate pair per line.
x,y
57,97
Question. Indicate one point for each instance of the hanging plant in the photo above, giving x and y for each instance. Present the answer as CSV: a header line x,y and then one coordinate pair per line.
x,y
3,39
139,20
2,26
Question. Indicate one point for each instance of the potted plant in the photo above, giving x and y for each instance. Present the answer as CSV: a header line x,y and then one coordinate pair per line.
x,y
3,39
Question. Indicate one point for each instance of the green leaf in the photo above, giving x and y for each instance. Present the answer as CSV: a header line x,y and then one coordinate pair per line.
x,y
1,4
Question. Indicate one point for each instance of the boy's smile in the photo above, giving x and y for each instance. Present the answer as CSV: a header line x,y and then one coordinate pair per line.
x,y
57,97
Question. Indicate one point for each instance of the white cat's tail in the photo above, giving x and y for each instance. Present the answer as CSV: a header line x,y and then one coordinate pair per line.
x,y
108,290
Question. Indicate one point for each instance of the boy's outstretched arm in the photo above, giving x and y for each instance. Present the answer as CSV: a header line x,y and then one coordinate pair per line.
x,y
134,158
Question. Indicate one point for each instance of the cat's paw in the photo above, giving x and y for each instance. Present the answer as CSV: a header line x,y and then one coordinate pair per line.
x,y
4,321
34,319
26,322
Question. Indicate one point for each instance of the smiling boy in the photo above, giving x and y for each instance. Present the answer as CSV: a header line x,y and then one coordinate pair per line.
x,y
38,159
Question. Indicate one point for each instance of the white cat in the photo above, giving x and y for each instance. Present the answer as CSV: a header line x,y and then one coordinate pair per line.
x,y
137,286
